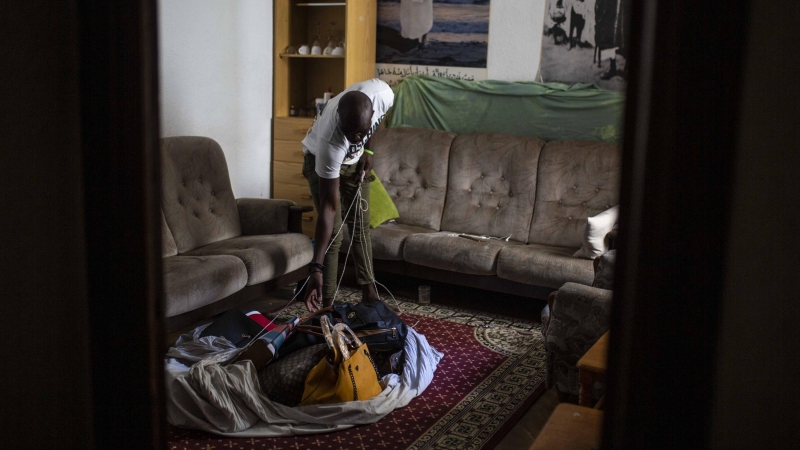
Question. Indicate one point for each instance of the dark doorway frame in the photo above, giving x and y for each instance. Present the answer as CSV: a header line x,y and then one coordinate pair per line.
x,y
119,135
679,155
679,159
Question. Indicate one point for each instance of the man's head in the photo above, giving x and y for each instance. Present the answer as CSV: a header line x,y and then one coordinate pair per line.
x,y
355,115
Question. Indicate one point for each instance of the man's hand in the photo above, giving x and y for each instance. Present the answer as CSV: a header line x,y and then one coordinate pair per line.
x,y
364,167
313,294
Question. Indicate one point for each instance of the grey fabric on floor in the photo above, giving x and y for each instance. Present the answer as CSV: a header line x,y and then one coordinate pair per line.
x,y
227,400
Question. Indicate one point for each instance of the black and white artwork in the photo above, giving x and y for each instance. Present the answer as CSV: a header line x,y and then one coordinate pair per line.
x,y
446,38
586,41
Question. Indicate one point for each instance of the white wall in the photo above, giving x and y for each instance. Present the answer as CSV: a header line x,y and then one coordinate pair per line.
x,y
215,59
515,39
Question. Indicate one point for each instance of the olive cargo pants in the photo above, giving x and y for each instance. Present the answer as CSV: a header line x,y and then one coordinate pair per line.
x,y
362,254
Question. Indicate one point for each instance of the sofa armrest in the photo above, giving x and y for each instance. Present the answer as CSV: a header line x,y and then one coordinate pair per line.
x,y
579,316
263,216
296,217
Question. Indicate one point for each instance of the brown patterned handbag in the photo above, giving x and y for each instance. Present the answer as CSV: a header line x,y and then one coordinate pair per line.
x,y
283,381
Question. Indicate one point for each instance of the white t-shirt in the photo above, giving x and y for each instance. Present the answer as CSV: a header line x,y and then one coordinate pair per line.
x,y
326,141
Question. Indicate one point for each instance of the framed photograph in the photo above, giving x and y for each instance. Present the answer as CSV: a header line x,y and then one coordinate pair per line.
x,y
586,41
447,38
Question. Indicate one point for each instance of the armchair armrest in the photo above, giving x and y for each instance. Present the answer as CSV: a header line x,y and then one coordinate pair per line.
x,y
263,216
579,316
296,217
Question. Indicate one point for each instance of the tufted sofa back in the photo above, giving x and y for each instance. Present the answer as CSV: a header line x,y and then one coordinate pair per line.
x,y
196,197
412,164
492,185
577,179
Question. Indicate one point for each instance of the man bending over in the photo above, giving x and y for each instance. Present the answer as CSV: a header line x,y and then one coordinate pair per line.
x,y
337,164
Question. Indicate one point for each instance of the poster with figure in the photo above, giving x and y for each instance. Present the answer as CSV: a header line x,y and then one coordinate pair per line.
x,y
586,41
446,38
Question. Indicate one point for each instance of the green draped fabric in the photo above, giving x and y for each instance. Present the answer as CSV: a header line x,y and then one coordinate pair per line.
x,y
549,111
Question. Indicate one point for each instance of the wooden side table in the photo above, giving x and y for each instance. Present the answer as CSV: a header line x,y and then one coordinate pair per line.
x,y
571,427
592,369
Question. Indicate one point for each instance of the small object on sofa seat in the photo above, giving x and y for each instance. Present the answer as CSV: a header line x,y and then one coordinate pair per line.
x,y
597,227
472,238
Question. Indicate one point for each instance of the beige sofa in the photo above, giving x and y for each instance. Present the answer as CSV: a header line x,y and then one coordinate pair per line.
x,y
219,251
538,193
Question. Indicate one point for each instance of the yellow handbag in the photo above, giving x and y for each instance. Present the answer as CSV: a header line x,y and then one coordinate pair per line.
x,y
346,374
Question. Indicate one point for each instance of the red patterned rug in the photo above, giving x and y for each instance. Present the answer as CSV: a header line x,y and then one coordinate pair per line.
x,y
492,371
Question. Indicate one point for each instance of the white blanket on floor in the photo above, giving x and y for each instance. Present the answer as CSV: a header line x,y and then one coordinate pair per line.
x,y
227,400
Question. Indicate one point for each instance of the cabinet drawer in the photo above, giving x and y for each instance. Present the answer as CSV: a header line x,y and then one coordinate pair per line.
x,y
289,151
298,194
291,128
310,224
288,173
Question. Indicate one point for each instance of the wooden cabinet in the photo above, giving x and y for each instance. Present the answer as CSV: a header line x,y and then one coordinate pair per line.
x,y
299,79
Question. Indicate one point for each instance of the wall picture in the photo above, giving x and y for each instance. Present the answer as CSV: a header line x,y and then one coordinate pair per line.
x,y
446,38
586,41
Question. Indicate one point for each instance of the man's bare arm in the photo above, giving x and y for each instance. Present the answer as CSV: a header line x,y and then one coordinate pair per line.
x,y
328,199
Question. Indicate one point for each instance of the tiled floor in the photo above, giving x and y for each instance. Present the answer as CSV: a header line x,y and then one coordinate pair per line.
x,y
525,431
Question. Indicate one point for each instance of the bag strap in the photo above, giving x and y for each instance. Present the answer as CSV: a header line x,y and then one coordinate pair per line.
x,y
317,331
329,333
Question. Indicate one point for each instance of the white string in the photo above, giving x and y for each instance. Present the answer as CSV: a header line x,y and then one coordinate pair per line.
x,y
370,272
261,333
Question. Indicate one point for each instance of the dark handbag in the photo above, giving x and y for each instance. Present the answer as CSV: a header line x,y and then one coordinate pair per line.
x,y
374,323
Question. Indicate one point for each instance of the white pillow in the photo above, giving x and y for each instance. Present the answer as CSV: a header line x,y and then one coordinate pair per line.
x,y
597,227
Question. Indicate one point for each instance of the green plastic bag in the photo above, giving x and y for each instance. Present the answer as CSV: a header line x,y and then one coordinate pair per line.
x,y
381,206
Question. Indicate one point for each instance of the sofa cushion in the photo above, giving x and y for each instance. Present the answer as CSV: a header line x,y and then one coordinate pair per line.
x,y
543,265
265,257
191,282
260,216
577,179
443,250
412,163
168,247
491,187
388,240
196,194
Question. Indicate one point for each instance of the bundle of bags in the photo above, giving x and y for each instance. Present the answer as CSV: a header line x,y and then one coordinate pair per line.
x,y
345,365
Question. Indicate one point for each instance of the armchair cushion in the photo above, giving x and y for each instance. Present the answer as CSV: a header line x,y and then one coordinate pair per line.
x,y
265,257
191,282
263,216
578,318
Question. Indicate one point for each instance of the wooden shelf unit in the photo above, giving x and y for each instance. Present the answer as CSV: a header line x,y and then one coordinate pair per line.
x,y
299,79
